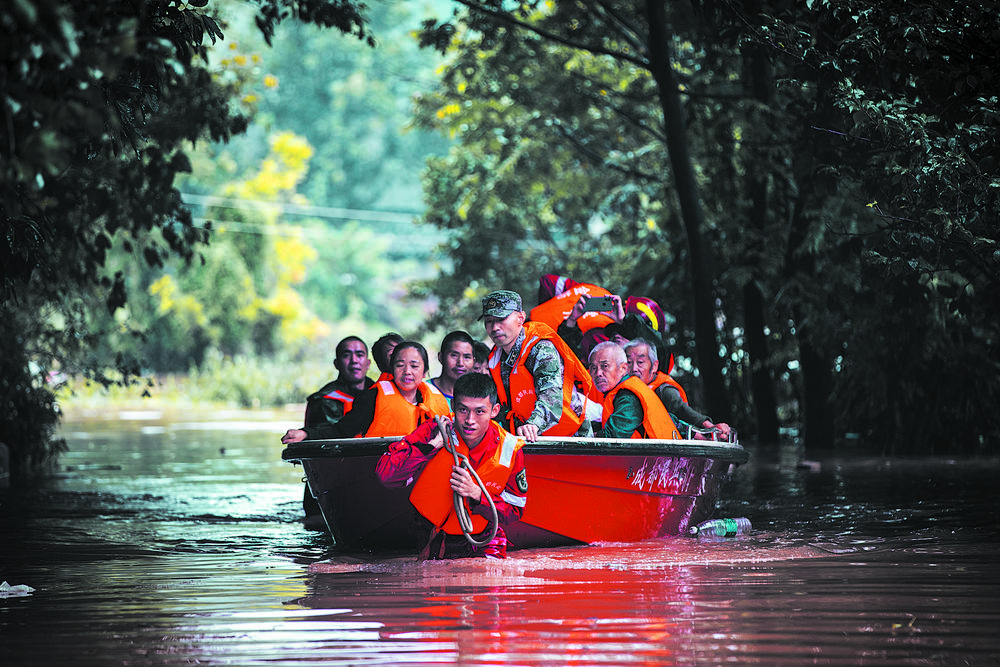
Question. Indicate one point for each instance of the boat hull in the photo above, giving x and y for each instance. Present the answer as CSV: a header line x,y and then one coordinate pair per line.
x,y
579,491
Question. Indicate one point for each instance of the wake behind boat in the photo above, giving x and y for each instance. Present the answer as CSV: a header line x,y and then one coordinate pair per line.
x,y
580,490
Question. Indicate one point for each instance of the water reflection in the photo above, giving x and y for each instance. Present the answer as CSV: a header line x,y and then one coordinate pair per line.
x,y
646,604
516,612
175,540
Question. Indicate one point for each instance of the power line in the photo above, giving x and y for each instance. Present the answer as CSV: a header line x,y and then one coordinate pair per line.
x,y
328,212
424,241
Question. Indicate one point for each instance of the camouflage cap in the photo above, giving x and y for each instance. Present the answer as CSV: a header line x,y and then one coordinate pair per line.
x,y
501,304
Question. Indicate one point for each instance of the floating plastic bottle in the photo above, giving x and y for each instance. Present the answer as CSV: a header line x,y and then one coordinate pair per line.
x,y
722,527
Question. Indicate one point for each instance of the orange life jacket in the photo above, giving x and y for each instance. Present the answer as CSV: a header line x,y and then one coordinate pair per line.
x,y
394,415
522,386
656,421
432,494
662,378
556,309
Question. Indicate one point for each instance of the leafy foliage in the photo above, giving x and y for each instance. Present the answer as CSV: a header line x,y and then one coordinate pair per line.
x,y
30,413
918,81
351,103
99,101
240,298
845,152
556,183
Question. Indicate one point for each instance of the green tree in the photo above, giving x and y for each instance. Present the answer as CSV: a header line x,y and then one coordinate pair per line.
x,y
816,277
521,189
915,87
351,102
99,102
241,298
641,36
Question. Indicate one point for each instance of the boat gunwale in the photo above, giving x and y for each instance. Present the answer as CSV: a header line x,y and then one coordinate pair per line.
x,y
731,452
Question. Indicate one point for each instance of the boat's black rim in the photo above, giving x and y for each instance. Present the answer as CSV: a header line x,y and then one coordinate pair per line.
x,y
719,451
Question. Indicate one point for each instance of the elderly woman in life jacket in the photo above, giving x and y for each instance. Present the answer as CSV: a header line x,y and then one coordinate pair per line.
x,y
391,407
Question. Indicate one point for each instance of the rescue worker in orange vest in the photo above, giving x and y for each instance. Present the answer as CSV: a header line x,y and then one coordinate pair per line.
x,y
390,407
543,388
493,453
644,364
334,399
631,409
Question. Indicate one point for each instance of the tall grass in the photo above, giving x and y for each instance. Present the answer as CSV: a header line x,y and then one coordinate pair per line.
x,y
235,382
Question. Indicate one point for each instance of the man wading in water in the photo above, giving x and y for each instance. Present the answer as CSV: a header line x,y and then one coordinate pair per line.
x,y
492,452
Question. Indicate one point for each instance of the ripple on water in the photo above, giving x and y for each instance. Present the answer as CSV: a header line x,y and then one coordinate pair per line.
x,y
190,552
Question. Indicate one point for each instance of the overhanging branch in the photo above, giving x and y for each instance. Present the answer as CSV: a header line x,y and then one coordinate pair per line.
x,y
507,19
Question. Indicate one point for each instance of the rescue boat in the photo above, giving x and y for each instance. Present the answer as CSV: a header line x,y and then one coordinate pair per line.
x,y
580,490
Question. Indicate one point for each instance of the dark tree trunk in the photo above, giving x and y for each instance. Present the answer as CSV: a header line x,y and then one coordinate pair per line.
x,y
761,380
759,82
709,362
816,366
817,384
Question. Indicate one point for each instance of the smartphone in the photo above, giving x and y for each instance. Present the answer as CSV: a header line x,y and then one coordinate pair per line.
x,y
604,304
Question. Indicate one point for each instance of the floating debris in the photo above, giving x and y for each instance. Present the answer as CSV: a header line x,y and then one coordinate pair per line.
x,y
19,591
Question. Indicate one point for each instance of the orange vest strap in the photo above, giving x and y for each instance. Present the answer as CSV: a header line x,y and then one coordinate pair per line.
x,y
656,421
662,379
432,495
343,398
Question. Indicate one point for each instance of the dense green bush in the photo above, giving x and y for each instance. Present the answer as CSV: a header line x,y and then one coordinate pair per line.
x,y
28,412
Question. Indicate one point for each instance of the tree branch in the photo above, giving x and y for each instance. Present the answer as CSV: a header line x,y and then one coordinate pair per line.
x,y
595,156
630,33
507,19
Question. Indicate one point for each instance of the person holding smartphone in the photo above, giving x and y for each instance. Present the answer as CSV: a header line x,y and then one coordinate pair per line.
x,y
635,317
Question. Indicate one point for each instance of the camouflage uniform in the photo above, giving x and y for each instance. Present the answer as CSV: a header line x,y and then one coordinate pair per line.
x,y
544,364
546,368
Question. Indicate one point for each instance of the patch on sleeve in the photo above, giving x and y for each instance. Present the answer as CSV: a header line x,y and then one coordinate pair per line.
x,y
522,481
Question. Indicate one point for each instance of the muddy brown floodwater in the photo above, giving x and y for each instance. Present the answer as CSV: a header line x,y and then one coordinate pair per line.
x,y
174,539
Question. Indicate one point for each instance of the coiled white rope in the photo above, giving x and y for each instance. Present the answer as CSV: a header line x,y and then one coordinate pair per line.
x,y
464,520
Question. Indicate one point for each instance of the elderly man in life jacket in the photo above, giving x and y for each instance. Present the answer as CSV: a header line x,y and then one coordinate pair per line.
x,y
492,452
631,409
643,362
543,388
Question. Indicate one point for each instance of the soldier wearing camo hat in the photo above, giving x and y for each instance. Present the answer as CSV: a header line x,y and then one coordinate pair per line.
x,y
542,385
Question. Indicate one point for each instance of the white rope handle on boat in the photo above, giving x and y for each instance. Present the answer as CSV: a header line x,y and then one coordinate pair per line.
x,y
451,444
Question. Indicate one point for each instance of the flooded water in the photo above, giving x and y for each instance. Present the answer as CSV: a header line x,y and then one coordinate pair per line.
x,y
174,540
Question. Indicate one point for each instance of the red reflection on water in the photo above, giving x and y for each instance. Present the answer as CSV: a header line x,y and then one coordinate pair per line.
x,y
515,614
575,622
